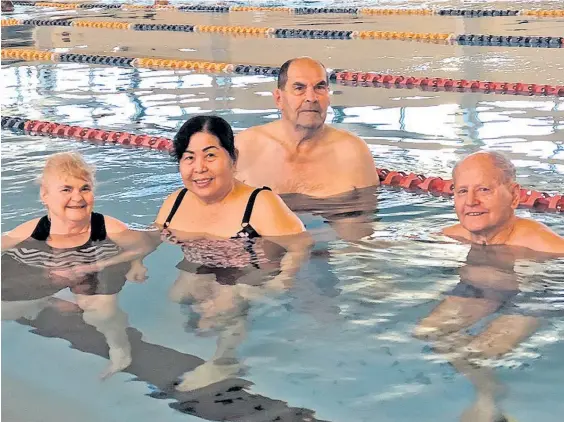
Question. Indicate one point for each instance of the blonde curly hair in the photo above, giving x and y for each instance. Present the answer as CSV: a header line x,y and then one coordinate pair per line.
x,y
67,164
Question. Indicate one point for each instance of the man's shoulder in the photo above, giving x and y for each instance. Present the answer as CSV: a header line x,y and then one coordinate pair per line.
x,y
256,133
527,227
343,136
456,231
349,146
537,236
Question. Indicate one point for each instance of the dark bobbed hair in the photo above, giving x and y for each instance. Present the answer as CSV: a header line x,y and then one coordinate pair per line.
x,y
283,72
214,125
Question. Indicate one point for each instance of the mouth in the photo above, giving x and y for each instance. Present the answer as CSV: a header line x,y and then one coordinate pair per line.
x,y
475,214
310,111
202,183
76,207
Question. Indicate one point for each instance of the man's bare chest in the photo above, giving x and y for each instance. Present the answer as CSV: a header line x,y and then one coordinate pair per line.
x,y
309,177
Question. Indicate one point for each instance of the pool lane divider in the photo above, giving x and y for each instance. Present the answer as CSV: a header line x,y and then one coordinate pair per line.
x,y
540,201
356,78
470,13
463,39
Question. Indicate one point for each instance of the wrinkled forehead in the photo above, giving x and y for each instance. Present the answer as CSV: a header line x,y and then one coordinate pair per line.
x,y
477,171
306,72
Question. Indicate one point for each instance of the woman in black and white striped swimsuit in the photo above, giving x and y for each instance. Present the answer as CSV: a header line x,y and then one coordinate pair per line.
x,y
72,247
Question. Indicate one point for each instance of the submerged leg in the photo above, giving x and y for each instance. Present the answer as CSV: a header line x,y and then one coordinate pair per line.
x,y
103,313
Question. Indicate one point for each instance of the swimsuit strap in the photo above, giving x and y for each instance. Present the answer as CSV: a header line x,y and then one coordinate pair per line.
x,y
42,230
97,228
175,207
250,205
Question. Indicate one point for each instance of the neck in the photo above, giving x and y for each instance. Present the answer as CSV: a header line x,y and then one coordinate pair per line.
x,y
496,236
299,138
64,227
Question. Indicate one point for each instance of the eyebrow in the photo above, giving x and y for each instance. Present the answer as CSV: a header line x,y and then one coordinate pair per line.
x,y
86,185
300,84
204,150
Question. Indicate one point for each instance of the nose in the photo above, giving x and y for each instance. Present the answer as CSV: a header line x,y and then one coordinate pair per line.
x,y
77,195
311,95
201,166
471,198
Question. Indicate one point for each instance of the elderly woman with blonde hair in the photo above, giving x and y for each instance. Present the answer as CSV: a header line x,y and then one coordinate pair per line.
x,y
72,247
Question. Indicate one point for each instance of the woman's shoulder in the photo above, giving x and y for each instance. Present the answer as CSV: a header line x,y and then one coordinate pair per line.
x,y
272,215
166,207
19,234
24,230
113,225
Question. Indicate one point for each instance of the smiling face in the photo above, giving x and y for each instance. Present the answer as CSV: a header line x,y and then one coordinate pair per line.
x,y
67,198
206,167
483,201
304,99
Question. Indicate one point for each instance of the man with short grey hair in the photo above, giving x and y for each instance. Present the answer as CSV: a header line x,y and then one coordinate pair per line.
x,y
299,153
485,198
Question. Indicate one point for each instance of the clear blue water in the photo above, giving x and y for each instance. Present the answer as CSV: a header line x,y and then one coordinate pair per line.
x,y
339,344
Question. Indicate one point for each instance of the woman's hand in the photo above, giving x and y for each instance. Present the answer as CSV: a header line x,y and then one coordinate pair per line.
x,y
137,272
76,273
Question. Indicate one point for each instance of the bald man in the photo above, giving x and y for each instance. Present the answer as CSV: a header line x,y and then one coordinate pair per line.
x,y
300,153
485,198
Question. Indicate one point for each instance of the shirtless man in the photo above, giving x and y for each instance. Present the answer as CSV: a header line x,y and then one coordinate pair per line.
x,y
485,198
300,153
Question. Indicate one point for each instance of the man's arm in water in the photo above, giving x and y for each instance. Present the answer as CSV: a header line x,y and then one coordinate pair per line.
x,y
355,156
356,220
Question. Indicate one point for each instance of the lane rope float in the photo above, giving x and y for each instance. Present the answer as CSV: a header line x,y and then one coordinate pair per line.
x,y
470,13
347,77
540,201
268,32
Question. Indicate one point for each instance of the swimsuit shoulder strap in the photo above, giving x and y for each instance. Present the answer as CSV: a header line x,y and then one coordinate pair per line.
x,y
250,205
42,230
97,227
175,207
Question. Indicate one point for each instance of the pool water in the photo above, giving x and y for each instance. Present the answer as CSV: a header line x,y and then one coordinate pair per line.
x,y
339,345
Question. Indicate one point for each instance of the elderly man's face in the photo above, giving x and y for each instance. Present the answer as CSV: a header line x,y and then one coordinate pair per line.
x,y
482,202
305,98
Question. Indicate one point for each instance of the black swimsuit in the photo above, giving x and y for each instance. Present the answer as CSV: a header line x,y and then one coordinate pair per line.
x,y
247,231
26,267
226,258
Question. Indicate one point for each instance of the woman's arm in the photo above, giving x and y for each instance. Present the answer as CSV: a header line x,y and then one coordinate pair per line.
x,y
273,220
135,244
19,234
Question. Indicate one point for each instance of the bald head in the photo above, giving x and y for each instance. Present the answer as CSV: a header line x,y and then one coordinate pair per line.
x,y
491,161
298,61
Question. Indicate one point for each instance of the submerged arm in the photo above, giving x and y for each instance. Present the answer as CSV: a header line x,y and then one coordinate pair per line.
x,y
277,223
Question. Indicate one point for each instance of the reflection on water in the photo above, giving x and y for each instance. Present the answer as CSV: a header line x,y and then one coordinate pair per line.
x,y
386,318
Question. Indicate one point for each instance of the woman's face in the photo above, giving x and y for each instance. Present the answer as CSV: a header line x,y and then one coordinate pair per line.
x,y
67,198
206,167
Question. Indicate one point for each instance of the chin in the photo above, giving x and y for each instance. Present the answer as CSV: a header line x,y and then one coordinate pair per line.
x,y
476,228
78,215
310,126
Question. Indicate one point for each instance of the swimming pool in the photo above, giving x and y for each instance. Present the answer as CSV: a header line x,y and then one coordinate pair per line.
x,y
339,345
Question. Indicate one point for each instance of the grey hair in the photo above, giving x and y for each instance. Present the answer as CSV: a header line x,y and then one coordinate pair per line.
x,y
507,171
